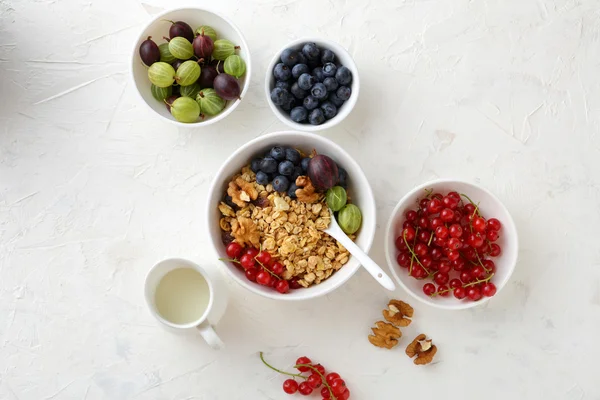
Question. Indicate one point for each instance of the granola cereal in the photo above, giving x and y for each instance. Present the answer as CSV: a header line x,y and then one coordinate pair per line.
x,y
291,230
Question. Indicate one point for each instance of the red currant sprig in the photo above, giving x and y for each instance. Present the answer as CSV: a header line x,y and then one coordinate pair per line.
x,y
334,386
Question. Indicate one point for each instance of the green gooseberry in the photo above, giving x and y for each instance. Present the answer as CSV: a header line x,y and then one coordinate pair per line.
x,y
210,102
161,93
165,54
208,31
223,48
161,74
190,90
185,109
336,198
234,65
349,218
187,73
181,48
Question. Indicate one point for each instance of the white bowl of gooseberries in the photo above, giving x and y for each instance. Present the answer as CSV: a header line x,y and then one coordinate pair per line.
x,y
451,244
196,18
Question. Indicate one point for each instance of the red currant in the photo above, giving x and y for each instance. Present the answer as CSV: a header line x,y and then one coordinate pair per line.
x,y
455,231
458,264
441,231
408,234
439,241
450,202
489,289
338,387
453,255
469,209
460,293
466,277
444,266
493,224
290,386
274,282
447,215
247,261
251,251
345,395
443,291
303,360
332,376
401,244
457,216
263,257
411,215
263,278
454,243
429,289
424,236
403,259
406,224
234,250
314,380
420,249
320,368
470,254
495,250
423,203
477,272
434,206
423,222
418,272
474,293
251,274
492,236
294,284
454,283
305,389
426,261
325,393
489,266
435,223
475,240
277,268
436,253
478,224
282,286
441,278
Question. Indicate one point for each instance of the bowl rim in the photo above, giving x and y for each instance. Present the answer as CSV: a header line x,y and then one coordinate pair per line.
x,y
509,225
210,210
349,105
248,73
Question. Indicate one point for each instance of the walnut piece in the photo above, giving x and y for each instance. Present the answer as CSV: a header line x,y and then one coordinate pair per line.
x,y
244,231
422,348
306,192
398,313
385,335
241,192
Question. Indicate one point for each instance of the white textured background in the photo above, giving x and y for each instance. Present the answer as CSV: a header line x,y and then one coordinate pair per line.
x,y
94,189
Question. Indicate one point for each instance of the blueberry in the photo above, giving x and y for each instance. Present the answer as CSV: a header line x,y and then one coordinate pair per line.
x,y
329,69
280,96
297,92
304,163
314,64
288,105
318,74
330,83
311,51
277,153
289,57
319,91
306,81
282,85
230,203
299,69
297,172
310,103
343,93
327,56
268,165
281,183
329,109
298,114
342,177
282,72
301,58
343,76
293,156
262,178
292,191
335,99
316,117
285,168
255,164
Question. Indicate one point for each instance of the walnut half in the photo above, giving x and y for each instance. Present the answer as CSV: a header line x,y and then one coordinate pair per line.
x,y
241,192
385,335
306,192
398,313
422,348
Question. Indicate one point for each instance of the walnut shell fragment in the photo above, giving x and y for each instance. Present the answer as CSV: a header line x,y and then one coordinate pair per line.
x,y
422,348
398,313
385,335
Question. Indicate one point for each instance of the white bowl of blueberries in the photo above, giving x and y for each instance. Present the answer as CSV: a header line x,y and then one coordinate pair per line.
x,y
312,84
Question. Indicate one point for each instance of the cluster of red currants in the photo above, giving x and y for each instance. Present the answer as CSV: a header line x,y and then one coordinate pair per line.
x,y
333,387
260,267
446,234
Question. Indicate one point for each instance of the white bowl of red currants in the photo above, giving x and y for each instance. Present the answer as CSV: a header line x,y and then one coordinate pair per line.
x,y
451,244
312,84
191,66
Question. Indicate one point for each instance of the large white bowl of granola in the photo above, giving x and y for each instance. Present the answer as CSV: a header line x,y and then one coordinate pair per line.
x,y
279,233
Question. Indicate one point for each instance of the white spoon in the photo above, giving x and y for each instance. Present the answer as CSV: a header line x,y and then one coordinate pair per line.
x,y
375,270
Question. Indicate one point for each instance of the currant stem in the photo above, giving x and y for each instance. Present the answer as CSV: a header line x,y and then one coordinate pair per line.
x,y
472,202
234,260
430,239
414,255
262,358
479,281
